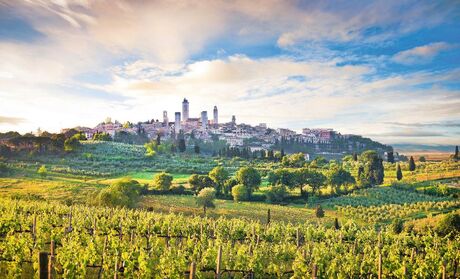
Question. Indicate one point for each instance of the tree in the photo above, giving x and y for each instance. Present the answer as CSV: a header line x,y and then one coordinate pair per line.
x,y
276,193
336,224
373,171
124,192
181,145
390,157
285,176
198,182
422,159
355,157
240,193
456,155
228,185
312,178
319,212
249,177
399,174
219,175
294,160
449,224
158,139
338,176
162,181
150,149
102,137
206,198
3,169
411,164
71,144
42,171
196,148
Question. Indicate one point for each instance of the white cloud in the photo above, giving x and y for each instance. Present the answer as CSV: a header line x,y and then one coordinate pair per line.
x,y
421,54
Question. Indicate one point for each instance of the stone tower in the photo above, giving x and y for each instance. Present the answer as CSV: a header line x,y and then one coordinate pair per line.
x,y
204,119
177,123
185,110
165,117
216,116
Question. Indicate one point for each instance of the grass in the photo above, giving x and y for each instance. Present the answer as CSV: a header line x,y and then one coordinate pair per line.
x,y
230,209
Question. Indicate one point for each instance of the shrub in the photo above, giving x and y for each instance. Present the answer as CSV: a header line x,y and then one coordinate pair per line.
x,y
276,194
206,198
319,212
42,171
177,189
397,226
3,169
449,224
124,193
162,181
240,193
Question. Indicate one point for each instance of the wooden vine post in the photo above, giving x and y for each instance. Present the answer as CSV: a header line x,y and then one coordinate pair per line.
x,y
314,272
51,260
192,270
380,266
443,270
268,216
43,265
298,238
219,262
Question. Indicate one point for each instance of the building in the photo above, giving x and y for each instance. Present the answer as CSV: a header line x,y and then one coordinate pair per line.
x,y
204,119
216,116
233,120
177,126
165,118
185,110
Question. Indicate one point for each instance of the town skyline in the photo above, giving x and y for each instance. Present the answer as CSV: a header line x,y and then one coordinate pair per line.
x,y
388,70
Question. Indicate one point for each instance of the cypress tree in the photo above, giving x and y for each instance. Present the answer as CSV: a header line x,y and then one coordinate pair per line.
x,y
411,164
158,139
399,175
456,156
390,157
355,157
336,224
182,146
197,149
319,212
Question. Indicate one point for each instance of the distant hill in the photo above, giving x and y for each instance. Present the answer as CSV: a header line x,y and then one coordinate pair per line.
x,y
401,148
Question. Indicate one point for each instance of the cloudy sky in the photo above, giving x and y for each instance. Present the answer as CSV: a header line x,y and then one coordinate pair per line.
x,y
387,69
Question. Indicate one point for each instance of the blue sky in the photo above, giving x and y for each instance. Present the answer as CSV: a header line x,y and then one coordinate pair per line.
x,y
389,70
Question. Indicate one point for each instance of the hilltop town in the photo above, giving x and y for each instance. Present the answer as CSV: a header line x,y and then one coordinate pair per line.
x,y
319,140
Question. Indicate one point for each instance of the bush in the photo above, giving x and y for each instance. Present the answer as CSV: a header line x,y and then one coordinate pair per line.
x,y
3,169
42,171
177,189
319,212
240,193
276,194
124,193
449,224
397,226
206,198
162,181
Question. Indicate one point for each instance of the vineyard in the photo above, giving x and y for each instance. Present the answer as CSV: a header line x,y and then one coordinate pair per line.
x,y
97,242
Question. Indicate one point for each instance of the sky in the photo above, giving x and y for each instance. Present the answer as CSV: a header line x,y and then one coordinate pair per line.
x,y
389,70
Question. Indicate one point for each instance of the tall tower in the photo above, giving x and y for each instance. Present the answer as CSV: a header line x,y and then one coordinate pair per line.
x,y
233,120
185,110
204,119
177,123
165,117
216,116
